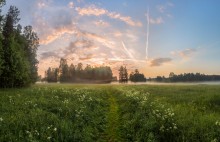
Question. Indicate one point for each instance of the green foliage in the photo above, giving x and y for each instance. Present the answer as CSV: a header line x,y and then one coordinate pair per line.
x,y
32,44
65,74
1,56
52,74
2,2
192,77
123,74
57,112
48,114
137,77
76,73
18,63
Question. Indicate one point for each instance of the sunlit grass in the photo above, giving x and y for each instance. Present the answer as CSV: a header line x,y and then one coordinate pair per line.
x,y
66,112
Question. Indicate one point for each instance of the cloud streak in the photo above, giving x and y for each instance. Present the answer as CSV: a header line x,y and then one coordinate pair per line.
x,y
95,11
101,23
127,51
159,61
185,54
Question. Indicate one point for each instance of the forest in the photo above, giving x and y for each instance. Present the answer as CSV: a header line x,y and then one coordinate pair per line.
x,y
18,51
89,74
186,77
76,73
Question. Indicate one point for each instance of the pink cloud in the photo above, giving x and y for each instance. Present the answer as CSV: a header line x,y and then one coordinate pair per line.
x,y
93,10
159,61
185,54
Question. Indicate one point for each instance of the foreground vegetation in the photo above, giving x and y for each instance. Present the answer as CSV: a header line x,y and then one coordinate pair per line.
x,y
110,113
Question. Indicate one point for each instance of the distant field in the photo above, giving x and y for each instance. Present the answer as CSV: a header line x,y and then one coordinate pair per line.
x,y
65,112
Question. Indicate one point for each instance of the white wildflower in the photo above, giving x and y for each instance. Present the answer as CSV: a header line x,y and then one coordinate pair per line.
x,y
27,132
162,128
48,138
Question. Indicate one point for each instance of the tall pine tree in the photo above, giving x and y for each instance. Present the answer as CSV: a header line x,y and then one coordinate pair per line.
x,y
18,63
31,50
2,2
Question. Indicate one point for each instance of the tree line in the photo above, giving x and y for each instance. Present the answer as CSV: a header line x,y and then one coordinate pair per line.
x,y
133,77
76,73
18,47
187,77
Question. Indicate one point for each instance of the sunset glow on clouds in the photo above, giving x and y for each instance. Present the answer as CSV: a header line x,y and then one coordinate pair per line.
x,y
114,33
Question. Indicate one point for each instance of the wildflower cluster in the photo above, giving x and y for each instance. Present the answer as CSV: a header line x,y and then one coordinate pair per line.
x,y
47,133
1,120
137,95
217,123
32,134
165,118
147,111
11,100
66,101
217,132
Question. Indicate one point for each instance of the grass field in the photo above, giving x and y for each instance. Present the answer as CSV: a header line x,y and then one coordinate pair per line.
x,y
110,113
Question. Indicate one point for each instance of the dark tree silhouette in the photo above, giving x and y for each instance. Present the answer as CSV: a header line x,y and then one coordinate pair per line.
x,y
123,75
32,43
137,77
64,70
187,77
76,73
52,74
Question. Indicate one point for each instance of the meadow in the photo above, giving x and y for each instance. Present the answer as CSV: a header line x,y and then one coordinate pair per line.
x,y
151,113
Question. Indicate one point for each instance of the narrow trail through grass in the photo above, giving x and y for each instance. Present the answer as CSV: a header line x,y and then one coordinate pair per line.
x,y
113,132
110,113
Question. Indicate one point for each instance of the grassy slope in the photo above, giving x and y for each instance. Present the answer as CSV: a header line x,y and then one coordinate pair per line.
x,y
110,113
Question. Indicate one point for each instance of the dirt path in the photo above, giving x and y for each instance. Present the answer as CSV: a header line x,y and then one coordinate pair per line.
x,y
112,130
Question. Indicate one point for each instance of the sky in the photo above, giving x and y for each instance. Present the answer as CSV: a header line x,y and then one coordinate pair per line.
x,y
155,36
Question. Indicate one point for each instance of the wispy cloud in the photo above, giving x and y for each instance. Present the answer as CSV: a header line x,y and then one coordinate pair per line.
x,y
55,34
163,9
49,54
159,61
86,57
85,40
79,1
91,10
54,24
79,46
95,11
185,54
158,20
127,51
128,20
101,23
71,5
97,38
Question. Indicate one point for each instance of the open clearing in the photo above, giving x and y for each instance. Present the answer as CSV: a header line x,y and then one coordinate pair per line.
x,y
64,112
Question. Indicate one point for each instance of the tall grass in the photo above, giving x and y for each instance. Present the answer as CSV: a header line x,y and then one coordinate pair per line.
x,y
110,113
